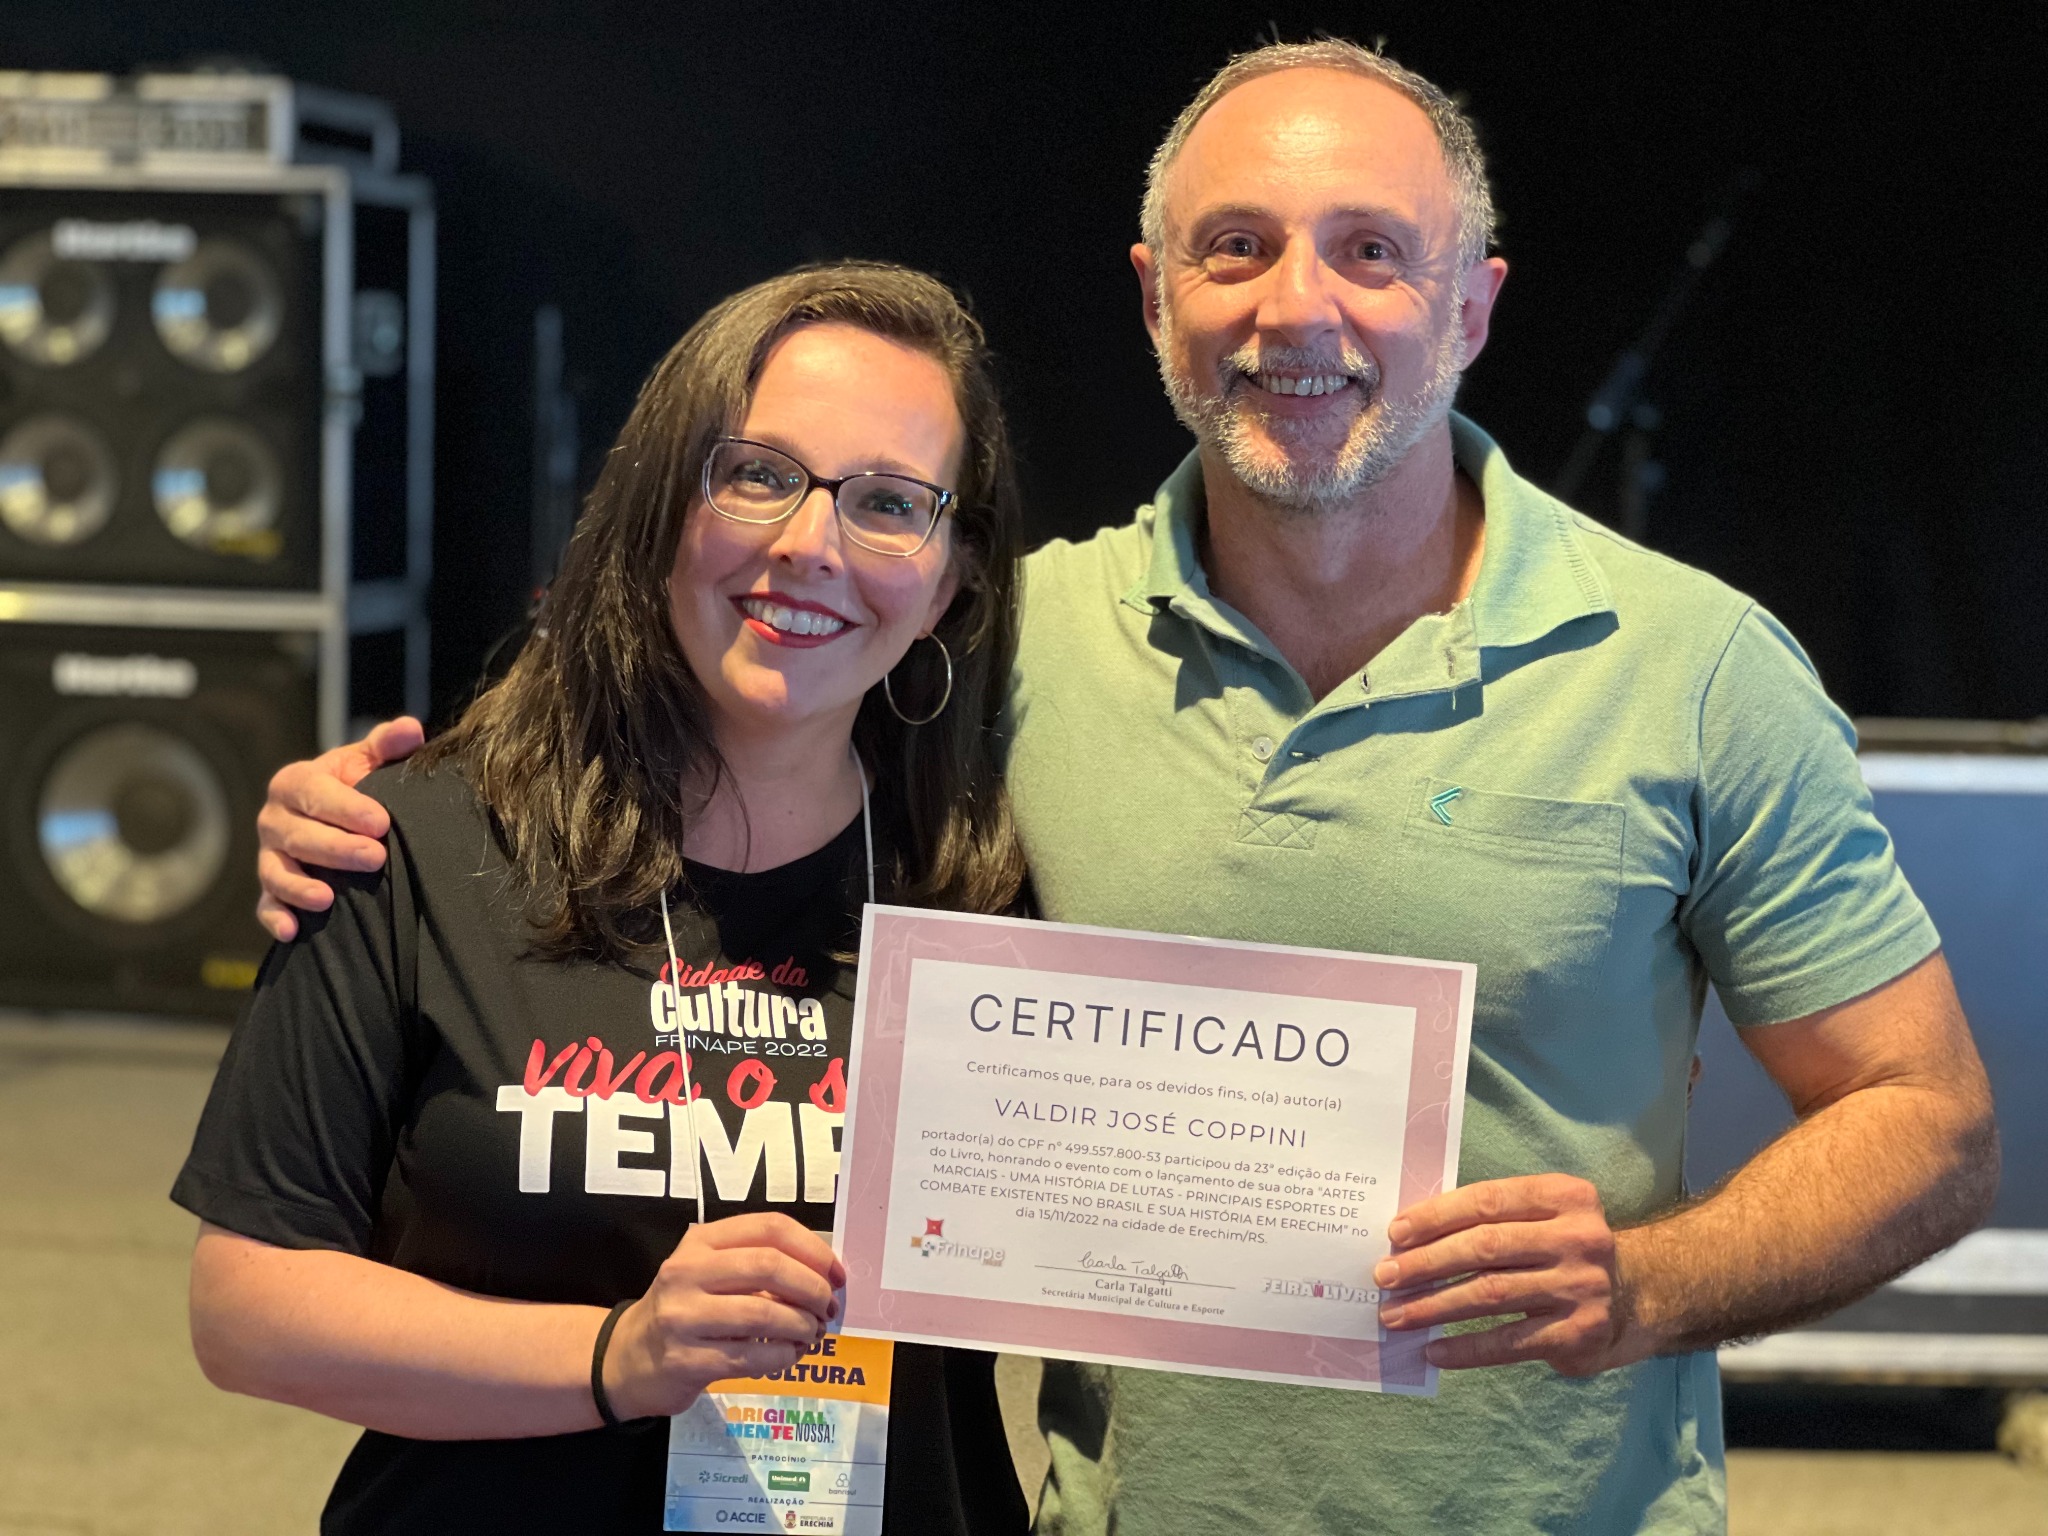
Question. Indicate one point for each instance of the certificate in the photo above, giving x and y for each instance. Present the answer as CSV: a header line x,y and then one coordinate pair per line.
x,y
1141,1149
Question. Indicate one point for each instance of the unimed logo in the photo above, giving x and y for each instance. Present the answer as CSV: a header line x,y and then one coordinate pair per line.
x,y
788,1482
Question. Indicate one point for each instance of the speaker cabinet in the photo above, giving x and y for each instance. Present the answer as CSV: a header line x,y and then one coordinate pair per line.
x,y
216,504
161,387
132,765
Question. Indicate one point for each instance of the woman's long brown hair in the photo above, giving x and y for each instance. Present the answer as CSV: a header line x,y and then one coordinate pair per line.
x,y
598,739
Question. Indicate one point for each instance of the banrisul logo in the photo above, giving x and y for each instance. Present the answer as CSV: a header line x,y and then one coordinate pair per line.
x,y
788,1482
933,1243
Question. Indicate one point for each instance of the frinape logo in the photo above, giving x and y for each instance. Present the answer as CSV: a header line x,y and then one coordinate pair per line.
x,y
1321,1290
933,1243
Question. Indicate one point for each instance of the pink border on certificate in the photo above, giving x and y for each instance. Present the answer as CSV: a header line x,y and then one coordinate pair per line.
x,y
1438,991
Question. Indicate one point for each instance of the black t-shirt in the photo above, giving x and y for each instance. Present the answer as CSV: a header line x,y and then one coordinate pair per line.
x,y
414,1085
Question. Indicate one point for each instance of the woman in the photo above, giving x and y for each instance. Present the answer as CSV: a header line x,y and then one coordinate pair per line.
x,y
533,1130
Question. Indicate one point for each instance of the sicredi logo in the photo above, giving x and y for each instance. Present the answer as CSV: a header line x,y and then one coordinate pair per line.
x,y
129,240
76,674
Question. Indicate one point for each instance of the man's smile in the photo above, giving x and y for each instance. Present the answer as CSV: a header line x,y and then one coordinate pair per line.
x,y
1295,384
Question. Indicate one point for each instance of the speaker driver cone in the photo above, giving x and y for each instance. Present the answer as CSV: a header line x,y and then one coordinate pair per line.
x,y
217,486
133,823
219,308
57,480
52,311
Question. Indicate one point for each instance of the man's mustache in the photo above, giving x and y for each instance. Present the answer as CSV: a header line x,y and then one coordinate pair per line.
x,y
1348,361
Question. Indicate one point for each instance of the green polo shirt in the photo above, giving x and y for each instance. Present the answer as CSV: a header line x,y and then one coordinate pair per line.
x,y
1606,780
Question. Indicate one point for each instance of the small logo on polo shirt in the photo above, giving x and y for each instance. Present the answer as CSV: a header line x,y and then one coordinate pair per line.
x,y
1440,803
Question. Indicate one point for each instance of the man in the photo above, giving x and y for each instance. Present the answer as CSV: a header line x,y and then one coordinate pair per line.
x,y
1349,681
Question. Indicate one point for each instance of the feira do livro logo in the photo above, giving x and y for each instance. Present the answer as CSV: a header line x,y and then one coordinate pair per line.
x,y
1321,1290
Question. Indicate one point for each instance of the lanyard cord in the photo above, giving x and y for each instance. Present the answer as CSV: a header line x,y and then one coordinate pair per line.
x,y
668,932
867,826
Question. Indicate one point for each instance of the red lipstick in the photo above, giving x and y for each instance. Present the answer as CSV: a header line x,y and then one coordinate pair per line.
x,y
840,624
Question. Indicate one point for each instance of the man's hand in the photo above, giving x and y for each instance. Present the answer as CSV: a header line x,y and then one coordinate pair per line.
x,y
1538,1248
1894,1156
315,816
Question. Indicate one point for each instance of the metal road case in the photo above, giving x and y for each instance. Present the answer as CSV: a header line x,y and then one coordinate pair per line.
x,y
1970,823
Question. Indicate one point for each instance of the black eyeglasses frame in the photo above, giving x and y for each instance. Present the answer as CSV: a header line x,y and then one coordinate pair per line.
x,y
947,499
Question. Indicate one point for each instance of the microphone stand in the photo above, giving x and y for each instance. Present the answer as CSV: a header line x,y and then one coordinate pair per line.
x,y
1620,403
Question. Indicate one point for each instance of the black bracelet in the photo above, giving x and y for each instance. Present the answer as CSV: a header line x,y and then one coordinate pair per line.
x,y
604,1338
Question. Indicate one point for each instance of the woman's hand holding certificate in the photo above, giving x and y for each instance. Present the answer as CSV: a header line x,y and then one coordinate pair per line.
x,y
740,1297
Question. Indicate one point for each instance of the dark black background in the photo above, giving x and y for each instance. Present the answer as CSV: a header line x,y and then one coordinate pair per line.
x,y
1854,405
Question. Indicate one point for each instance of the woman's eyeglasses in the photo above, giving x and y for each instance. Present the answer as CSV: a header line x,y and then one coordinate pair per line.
x,y
749,482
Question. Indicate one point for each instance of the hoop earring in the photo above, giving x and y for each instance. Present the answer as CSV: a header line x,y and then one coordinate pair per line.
x,y
944,698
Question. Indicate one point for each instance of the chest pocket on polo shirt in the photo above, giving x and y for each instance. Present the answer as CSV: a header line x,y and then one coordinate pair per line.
x,y
1524,887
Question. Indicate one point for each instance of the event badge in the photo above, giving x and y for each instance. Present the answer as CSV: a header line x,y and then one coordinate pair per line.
x,y
804,1450
1144,1149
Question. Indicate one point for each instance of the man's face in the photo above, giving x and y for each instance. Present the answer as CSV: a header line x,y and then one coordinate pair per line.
x,y
1312,314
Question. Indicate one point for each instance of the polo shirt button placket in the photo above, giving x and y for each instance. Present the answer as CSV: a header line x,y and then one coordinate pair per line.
x,y
1263,748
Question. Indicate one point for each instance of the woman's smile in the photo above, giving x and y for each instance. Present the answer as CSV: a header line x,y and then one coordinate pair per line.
x,y
783,620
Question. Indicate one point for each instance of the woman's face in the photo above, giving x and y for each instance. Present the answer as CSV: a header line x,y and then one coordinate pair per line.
x,y
840,401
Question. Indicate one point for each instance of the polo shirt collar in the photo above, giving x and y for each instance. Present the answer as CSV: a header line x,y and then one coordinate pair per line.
x,y
1535,576
1179,508
1537,572
1173,577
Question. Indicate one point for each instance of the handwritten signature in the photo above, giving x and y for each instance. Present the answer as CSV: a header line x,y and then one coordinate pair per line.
x,y
1143,1269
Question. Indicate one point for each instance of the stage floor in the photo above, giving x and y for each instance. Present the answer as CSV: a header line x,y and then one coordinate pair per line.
x,y
108,1425
110,1430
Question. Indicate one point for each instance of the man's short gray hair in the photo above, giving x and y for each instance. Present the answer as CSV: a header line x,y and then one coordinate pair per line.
x,y
1454,131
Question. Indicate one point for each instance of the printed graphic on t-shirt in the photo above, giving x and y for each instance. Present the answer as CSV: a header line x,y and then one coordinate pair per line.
x,y
740,1056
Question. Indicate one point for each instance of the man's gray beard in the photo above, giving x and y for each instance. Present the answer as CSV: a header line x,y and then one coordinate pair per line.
x,y
1380,437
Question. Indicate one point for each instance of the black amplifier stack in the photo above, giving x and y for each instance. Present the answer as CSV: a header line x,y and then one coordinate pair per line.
x,y
216,427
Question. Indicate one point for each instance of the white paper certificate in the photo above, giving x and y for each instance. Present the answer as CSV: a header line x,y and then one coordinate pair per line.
x,y
1162,1151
